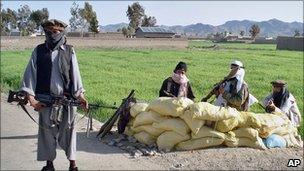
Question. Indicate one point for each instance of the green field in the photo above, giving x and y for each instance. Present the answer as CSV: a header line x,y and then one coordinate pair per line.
x,y
109,75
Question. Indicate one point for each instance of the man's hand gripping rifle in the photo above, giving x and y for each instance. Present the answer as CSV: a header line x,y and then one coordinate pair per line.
x,y
218,85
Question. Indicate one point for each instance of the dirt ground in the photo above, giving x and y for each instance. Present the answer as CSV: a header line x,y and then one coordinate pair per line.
x,y
19,142
16,43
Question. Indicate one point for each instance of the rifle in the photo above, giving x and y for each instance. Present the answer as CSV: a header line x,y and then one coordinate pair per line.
x,y
52,101
217,85
107,126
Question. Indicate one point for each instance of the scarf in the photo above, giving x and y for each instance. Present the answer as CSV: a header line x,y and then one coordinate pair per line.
x,y
279,98
55,40
182,80
240,77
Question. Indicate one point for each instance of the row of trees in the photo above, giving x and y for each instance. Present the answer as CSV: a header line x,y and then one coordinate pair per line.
x,y
27,20
137,17
24,19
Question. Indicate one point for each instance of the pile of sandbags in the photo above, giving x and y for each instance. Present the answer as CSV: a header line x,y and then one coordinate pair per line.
x,y
181,124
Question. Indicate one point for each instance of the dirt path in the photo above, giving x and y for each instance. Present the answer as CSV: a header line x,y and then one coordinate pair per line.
x,y
19,143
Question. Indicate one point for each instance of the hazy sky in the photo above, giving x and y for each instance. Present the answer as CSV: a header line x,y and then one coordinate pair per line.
x,y
177,12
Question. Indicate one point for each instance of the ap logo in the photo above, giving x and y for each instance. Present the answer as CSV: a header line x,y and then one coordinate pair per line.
x,y
294,162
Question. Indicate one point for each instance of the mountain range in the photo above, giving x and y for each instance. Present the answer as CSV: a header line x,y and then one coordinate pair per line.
x,y
270,28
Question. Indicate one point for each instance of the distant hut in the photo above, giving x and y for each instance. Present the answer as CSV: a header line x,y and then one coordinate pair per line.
x,y
153,32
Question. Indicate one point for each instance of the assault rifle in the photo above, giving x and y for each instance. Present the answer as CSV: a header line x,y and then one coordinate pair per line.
x,y
213,91
123,113
217,85
21,98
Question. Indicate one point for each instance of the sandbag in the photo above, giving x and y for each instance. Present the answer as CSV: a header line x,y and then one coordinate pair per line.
x,y
292,141
208,132
283,130
149,129
145,138
269,120
274,141
232,141
169,106
207,111
199,143
145,118
227,124
193,124
247,119
173,124
248,132
168,139
138,108
128,131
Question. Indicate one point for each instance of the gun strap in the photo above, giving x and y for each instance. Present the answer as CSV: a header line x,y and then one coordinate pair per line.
x,y
25,110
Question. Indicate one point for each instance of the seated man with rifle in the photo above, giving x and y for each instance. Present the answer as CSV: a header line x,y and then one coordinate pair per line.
x,y
53,71
233,90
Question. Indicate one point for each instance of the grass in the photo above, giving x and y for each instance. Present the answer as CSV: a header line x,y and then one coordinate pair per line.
x,y
109,75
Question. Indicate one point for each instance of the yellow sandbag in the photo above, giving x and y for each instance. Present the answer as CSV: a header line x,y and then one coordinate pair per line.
x,y
232,141
149,129
169,106
247,119
248,132
207,111
263,120
128,131
227,124
173,124
168,139
145,118
138,108
292,141
283,130
193,124
145,138
208,132
199,143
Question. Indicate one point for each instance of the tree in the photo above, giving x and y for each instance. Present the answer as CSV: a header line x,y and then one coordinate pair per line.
x,y
124,31
39,16
135,13
94,24
242,33
127,31
296,33
76,21
25,25
254,31
90,16
148,21
8,20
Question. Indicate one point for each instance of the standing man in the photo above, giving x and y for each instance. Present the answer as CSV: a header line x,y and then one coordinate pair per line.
x,y
178,84
283,101
53,71
234,91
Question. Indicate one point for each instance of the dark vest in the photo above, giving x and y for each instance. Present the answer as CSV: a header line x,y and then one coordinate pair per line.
x,y
44,68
